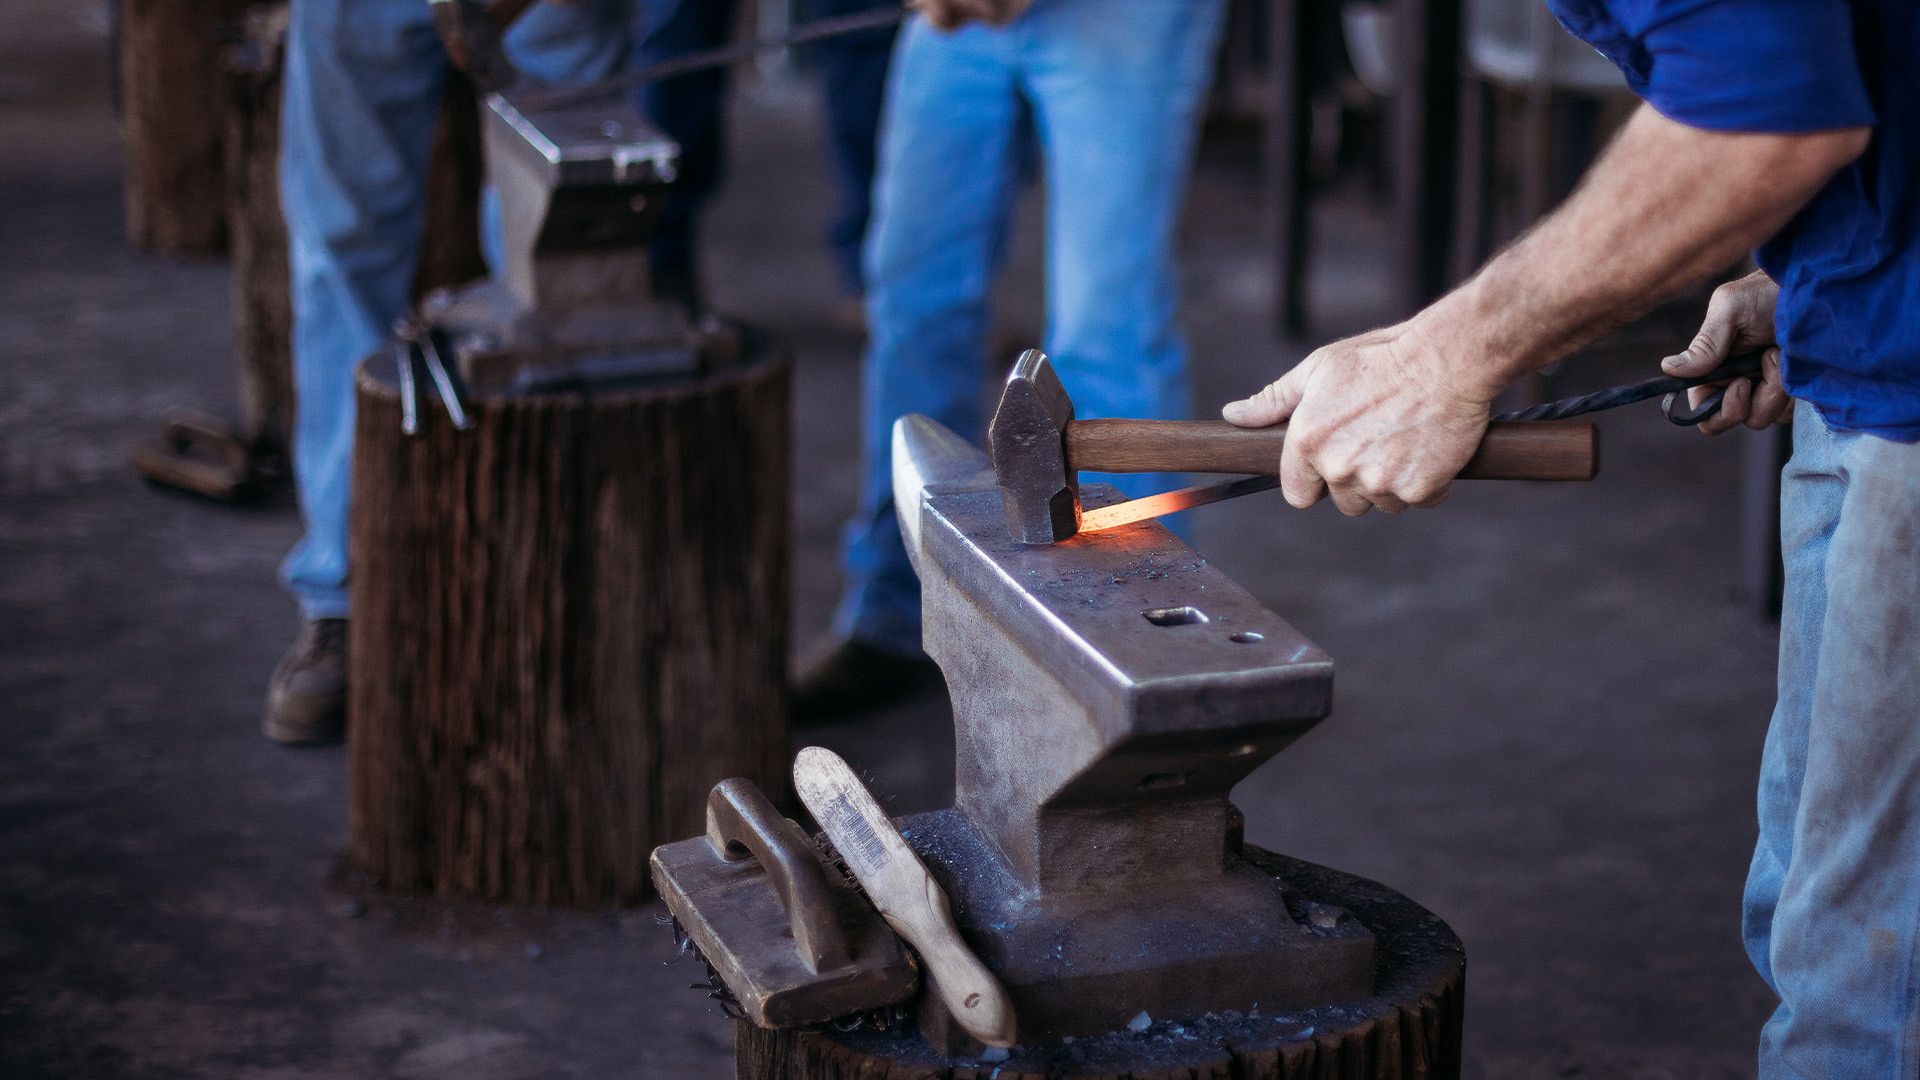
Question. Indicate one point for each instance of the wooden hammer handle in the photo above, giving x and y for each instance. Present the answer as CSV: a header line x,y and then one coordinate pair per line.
x,y
1511,450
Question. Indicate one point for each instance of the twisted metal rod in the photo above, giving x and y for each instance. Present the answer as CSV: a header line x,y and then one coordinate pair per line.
x,y
1743,366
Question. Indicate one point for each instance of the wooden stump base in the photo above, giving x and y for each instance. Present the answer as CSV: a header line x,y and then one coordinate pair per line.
x,y
1409,1029
569,623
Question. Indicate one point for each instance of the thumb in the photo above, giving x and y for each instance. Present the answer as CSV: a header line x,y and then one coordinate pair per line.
x,y
1272,404
1707,351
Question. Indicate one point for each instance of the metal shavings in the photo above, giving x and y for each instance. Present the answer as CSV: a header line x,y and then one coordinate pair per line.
x,y
715,986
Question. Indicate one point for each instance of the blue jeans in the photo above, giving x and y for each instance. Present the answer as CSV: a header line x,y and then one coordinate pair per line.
x,y
688,108
854,69
1113,89
1832,909
362,88
853,73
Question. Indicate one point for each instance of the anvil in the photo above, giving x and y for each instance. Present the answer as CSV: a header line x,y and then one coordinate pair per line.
x,y
580,188
1108,692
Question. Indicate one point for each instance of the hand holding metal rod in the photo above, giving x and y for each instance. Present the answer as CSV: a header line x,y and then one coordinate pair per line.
x,y
1747,365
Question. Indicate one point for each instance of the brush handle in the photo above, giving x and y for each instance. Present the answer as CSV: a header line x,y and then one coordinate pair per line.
x,y
906,895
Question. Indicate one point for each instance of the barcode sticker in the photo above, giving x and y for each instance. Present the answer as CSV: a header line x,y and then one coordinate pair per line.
x,y
860,842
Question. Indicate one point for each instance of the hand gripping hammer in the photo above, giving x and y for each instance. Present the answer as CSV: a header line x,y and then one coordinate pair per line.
x,y
1039,450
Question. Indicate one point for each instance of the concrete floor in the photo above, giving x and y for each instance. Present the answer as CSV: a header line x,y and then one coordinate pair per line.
x,y
1549,705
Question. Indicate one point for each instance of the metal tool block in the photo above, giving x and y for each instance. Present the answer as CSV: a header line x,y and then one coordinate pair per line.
x,y
1108,692
579,190
790,938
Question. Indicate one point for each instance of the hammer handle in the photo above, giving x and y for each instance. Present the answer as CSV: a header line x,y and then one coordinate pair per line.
x,y
1511,450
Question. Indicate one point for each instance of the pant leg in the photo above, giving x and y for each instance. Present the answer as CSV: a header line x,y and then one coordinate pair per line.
x,y
853,70
1834,909
689,109
942,199
1117,88
1812,488
362,89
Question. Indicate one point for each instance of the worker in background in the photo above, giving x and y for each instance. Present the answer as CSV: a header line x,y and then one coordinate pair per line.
x,y
1113,90
1793,127
362,89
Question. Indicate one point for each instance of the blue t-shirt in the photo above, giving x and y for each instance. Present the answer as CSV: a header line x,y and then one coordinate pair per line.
x,y
1848,264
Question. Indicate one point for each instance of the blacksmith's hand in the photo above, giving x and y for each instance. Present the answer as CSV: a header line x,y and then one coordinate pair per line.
x,y
953,14
1739,320
1374,421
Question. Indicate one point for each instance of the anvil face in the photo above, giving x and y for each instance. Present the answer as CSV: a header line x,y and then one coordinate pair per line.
x,y
1108,692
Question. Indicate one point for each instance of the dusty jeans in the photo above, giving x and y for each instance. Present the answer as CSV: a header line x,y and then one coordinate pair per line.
x,y
1832,916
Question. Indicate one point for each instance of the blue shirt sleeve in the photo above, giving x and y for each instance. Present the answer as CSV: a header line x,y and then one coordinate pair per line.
x,y
1751,65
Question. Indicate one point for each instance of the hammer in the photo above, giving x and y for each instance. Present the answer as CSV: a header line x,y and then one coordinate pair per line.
x,y
1039,450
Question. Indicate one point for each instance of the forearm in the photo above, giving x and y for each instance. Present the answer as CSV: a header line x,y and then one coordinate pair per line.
x,y
1666,205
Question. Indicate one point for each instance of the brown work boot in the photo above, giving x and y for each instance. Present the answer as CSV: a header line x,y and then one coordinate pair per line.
x,y
843,678
307,699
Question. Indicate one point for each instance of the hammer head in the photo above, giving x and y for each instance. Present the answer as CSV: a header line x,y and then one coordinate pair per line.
x,y
1028,440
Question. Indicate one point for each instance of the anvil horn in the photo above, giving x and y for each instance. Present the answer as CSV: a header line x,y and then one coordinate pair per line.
x,y
929,459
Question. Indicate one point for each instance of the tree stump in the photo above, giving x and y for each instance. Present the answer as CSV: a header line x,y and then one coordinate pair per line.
x,y
170,102
570,622
257,231
1409,1030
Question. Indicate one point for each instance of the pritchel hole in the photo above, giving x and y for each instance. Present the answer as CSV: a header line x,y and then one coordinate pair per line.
x,y
1154,781
1175,616
1246,637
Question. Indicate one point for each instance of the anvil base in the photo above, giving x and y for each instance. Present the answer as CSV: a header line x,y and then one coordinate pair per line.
x,y
1080,965
1409,1026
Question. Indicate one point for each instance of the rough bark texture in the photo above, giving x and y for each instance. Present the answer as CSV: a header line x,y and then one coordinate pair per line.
x,y
1409,1030
171,108
262,306
570,622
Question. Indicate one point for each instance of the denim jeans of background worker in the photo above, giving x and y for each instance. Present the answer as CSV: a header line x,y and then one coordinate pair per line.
x,y
1113,89
1791,127
362,91
853,72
